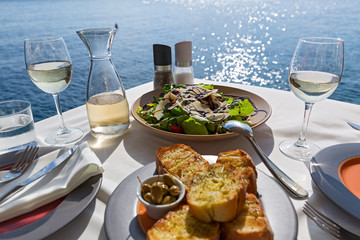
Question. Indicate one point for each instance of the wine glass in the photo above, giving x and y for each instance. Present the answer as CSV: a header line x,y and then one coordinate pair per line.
x,y
315,72
49,66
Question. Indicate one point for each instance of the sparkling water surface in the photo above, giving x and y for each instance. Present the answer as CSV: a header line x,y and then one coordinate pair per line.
x,y
241,41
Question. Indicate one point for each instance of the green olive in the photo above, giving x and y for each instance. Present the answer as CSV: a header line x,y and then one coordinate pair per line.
x,y
168,199
156,183
146,188
156,193
148,198
168,180
165,189
174,191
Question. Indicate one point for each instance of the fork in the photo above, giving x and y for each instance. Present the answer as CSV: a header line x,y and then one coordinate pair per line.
x,y
327,224
22,164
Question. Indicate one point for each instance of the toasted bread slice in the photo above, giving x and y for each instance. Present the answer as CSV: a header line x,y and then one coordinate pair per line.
x,y
181,224
216,193
250,224
180,161
243,162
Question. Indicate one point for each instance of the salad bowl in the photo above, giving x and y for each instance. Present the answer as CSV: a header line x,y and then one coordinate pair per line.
x,y
261,113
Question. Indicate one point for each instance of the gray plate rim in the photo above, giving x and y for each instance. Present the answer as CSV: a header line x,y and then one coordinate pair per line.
x,y
324,172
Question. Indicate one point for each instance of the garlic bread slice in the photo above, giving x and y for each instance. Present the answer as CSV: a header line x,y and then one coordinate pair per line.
x,y
216,193
181,224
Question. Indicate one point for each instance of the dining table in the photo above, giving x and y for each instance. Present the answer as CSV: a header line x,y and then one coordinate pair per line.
x,y
135,148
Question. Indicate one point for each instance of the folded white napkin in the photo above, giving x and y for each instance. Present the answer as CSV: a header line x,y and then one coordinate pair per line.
x,y
57,183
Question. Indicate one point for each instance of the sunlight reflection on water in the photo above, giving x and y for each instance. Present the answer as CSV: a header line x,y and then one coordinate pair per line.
x,y
240,41
252,42
241,54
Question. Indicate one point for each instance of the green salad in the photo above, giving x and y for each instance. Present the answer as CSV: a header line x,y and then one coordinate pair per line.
x,y
194,109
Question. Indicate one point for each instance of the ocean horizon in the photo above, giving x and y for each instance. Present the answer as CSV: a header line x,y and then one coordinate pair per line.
x,y
241,41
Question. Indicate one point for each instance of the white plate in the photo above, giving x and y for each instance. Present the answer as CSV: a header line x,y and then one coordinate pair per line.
x,y
324,172
262,115
73,205
121,212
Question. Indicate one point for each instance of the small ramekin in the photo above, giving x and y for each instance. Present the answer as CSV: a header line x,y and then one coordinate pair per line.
x,y
158,211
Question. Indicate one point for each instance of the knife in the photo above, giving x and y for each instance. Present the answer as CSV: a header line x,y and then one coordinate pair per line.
x,y
48,168
355,126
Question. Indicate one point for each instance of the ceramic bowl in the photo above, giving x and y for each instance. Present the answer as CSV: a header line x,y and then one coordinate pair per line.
x,y
158,211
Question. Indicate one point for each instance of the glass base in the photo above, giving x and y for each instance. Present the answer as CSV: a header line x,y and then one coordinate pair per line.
x,y
302,153
64,137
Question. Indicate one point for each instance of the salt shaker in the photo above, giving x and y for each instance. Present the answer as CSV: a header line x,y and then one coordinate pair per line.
x,y
183,63
163,73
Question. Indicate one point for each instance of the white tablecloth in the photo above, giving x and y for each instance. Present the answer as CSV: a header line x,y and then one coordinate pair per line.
x,y
123,155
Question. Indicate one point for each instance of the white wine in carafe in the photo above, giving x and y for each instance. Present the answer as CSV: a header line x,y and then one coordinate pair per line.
x,y
108,114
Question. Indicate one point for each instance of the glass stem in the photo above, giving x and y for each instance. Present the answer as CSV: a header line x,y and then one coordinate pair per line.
x,y
63,128
302,136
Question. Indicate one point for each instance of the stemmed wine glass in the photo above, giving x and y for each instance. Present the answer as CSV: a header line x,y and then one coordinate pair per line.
x,y
49,66
315,72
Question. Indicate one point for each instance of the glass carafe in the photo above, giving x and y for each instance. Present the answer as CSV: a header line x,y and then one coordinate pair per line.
x,y
106,103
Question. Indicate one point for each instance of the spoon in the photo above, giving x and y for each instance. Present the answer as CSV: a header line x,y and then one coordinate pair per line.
x,y
355,126
292,187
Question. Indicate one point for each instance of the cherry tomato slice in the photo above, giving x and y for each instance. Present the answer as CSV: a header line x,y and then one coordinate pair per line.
x,y
176,129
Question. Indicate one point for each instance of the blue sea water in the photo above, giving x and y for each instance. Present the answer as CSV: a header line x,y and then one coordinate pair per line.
x,y
241,41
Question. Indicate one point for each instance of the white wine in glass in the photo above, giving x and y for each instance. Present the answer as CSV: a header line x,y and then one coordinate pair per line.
x,y
49,67
315,72
51,77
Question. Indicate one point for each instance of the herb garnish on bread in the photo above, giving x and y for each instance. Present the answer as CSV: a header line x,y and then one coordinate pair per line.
x,y
180,161
243,162
250,224
216,193
181,224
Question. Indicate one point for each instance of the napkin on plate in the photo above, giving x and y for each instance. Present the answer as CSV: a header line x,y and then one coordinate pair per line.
x,y
57,183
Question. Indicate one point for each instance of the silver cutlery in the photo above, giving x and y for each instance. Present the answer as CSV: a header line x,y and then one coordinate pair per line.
x,y
18,148
327,224
354,125
48,168
22,164
292,187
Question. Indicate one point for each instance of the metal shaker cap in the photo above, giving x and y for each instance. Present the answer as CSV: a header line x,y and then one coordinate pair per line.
x,y
162,55
183,53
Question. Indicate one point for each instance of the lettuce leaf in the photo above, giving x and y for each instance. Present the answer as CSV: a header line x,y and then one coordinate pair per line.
x,y
242,108
191,126
246,108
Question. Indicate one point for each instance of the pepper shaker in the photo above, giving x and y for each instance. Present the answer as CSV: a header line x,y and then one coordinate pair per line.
x,y
163,73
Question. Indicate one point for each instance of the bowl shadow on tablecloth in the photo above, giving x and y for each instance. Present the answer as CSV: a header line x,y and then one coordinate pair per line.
x,y
135,230
141,144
